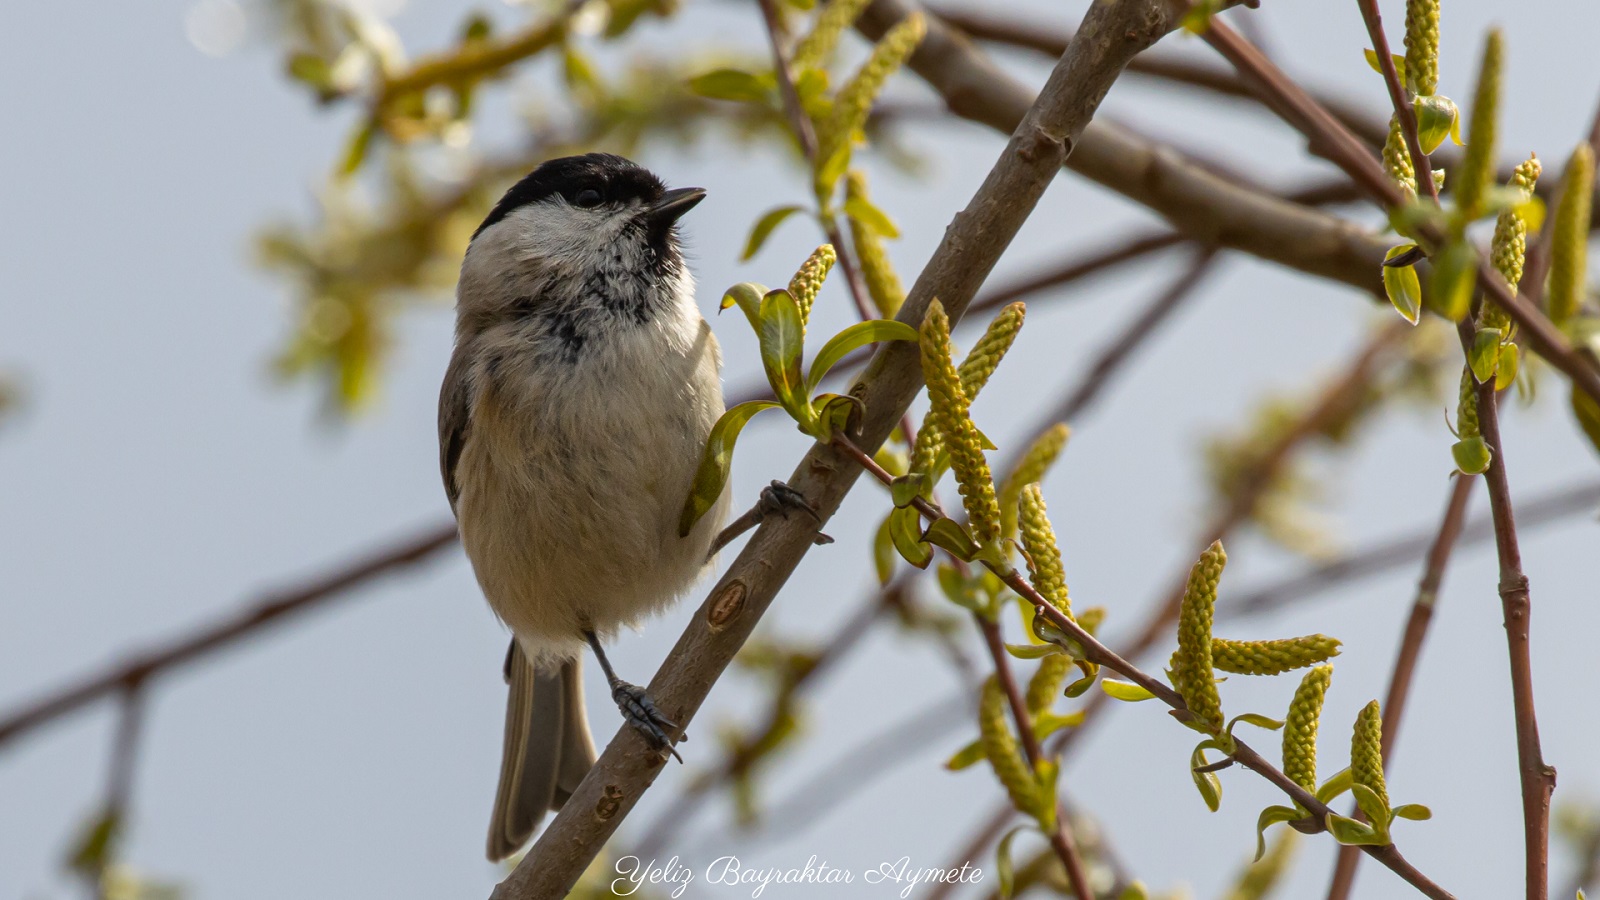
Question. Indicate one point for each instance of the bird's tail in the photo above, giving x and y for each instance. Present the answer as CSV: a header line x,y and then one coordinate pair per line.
x,y
548,749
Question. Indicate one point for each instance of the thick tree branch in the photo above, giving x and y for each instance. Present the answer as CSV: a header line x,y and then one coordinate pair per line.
x,y
1111,34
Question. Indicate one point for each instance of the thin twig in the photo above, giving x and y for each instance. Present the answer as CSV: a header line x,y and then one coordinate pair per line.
x,y
1394,702
1155,628
189,648
1098,653
1061,839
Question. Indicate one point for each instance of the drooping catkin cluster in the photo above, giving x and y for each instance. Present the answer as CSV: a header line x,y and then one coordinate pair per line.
x,y
951,413
1191,665
1300,731
1509,247
1422,46
854,101
1366,751
1477,168
1045,685
1044,556
973,375
814,49
1569,244
807,282
1031,468
1397,159
1005,756
883,284
1272,657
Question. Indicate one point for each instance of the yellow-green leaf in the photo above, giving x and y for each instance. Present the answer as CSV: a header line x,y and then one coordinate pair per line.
x,y
1484,357
965,757
764,226
1472,455
1402,286
883,552
1125,691
905,530
1587,414
782,336
712,476
852,339
866,214
747,294
730,84
1399,63
1455,271
1436,116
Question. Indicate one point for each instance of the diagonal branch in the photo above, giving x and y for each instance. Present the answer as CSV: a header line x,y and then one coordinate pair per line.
x,y
1111,34
1201,204
271,610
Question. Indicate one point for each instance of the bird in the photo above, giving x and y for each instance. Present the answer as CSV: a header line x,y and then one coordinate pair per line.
x,y
578,399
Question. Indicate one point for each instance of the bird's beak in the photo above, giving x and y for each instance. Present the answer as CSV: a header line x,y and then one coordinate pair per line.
x,y
672,205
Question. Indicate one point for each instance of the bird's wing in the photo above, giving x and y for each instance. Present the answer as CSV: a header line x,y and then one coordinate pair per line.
x,y
455,415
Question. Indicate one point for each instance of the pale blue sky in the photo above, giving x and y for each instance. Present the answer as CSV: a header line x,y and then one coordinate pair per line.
x,y
158,478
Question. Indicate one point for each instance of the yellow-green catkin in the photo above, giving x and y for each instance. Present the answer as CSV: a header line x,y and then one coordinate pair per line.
x,y
973,373
1259,879
1509,247
1477,168
814,49
807,282
1191,669
1047,682
1467,407
883,284
1569,245
1005,757
1272,657
1397,159
854,100
1035,462
951,414
1422,46
1300,730
1039,539
1366,751
991,348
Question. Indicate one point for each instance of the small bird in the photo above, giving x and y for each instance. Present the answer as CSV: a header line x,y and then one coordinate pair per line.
x,y
578,400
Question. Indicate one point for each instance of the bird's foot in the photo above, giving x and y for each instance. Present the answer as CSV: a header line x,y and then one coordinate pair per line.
x,y
640,712
778,499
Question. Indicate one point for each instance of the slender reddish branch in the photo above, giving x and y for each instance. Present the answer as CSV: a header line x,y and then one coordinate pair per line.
x,y
1061,839
1394,702
1100,654
1332,141
1538,778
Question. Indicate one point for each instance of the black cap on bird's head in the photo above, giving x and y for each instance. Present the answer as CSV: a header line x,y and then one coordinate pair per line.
x,y
595,181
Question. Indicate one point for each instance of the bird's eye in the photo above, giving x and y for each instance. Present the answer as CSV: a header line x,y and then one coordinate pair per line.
x,y
587,198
